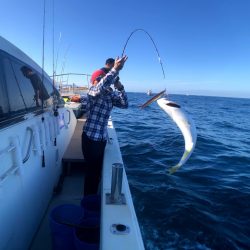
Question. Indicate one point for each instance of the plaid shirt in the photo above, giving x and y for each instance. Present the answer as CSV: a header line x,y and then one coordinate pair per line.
x,y
101,99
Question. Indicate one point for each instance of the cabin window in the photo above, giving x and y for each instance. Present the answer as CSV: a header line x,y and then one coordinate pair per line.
x,y
15,97
54,93
29,83
22,89
4,104
48,85
31,86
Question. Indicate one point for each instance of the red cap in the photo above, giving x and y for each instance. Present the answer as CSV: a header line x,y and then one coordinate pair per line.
x,y
98,73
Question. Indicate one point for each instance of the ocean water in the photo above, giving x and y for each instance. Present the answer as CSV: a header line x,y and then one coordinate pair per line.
x,y
206,203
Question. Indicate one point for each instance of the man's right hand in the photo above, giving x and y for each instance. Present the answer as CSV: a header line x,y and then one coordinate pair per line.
x,y
119,62
75,98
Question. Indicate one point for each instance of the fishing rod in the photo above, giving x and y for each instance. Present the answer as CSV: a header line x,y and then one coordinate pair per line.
x,y
53,41
43,44
43,60
152,40
55,100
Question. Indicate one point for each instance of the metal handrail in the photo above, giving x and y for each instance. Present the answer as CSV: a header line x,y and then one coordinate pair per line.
x,y
6,150
69,117
7,173
26,158
10,170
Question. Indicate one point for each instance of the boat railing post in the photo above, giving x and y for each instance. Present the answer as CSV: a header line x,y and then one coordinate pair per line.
x,y
116,196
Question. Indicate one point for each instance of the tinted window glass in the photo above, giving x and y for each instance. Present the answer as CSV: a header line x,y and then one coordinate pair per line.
x,y
4,104
33,91
16,100
49,88
48,85
54,94
59,99
28,83
24,90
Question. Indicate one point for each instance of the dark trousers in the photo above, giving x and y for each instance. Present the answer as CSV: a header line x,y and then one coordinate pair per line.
x,y
93,152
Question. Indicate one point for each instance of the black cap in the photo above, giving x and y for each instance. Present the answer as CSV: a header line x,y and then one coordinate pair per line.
x,y
110,61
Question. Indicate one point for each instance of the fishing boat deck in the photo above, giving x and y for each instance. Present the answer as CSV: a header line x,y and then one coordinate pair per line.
x,y
112,215
71,187
73,155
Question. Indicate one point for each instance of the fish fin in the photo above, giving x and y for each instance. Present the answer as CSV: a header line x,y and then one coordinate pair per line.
x,y
174,169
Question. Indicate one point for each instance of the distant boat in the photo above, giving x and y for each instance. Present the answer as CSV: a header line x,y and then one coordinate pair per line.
x,y
149,92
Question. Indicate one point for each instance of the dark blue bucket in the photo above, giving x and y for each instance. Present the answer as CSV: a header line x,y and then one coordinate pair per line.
x,y
92,206
62,218
88,237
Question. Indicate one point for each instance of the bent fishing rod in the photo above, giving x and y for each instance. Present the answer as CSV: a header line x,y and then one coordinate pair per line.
x,y
152,40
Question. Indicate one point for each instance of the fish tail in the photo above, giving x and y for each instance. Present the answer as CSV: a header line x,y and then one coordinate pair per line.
x,y
174,169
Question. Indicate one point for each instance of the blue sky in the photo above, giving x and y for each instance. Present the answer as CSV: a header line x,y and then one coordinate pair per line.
x,y
204,44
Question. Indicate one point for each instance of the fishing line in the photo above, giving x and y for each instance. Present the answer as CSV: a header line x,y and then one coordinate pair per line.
x,y
152,40
64,62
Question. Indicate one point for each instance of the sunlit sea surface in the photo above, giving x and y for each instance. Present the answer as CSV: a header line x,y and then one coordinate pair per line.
x,y
204,205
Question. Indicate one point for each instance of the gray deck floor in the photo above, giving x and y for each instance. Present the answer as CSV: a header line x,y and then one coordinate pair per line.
x,y
74,150
72,189
72,193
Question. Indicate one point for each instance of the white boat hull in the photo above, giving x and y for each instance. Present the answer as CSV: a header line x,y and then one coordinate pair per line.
x,y
25,192
31,148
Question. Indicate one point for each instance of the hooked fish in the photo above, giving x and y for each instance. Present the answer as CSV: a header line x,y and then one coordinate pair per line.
x,y
185,124
153,99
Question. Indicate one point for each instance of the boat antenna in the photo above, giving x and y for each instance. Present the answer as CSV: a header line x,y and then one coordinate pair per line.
x,y
157,51
43,49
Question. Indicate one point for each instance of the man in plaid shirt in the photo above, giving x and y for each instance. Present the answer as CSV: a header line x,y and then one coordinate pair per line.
x,y
101,99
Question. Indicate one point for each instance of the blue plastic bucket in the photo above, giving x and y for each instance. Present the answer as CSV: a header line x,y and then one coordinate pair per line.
x,y
91,205
88,237
62,218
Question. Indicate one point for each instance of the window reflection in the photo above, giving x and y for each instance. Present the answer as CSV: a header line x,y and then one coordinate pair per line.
x,y
40,92
4,104
15,98
23,89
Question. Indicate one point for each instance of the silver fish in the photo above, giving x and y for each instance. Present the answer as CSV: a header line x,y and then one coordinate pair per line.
x,y
185,124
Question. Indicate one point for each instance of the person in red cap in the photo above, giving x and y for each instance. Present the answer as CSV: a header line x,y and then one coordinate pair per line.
x,y
109,64
101,99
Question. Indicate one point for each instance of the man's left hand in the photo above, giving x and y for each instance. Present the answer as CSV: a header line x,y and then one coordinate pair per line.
x,y
118,86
